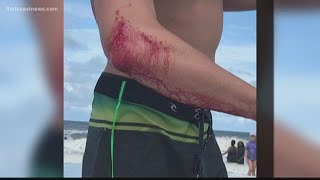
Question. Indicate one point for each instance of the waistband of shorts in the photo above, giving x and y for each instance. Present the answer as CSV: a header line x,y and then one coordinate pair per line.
x,y
109,85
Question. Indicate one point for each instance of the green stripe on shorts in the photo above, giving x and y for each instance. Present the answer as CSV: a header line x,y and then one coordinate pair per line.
x,y
103,107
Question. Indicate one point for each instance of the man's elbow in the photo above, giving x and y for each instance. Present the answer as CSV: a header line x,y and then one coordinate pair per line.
x,y
128,58
135,52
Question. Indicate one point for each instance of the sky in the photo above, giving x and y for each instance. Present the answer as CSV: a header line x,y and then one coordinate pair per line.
x,y
297,71
25,105
85,60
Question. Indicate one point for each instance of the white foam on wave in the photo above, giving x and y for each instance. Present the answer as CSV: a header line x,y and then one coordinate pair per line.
x,y
69,132
74,150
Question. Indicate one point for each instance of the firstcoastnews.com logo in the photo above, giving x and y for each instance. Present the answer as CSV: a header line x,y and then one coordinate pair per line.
x,y
31,9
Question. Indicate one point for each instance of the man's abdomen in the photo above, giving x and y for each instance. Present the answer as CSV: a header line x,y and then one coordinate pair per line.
x,y
198,23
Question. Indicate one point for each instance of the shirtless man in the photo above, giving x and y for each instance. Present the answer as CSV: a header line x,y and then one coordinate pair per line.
x,y
151,108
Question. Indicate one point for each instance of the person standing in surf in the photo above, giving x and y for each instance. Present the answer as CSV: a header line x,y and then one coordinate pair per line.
x,y
251,155
232,152
240,152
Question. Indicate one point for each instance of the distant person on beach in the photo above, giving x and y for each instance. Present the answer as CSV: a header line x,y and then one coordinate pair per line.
x,y
251,155
240,152
232,152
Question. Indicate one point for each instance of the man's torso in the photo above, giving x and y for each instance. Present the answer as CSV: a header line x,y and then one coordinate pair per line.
x,y
199,23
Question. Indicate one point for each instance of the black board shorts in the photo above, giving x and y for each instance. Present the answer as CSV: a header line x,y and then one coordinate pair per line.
x,y
154,136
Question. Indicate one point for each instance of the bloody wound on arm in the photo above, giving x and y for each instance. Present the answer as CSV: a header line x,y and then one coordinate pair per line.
x,y
153,62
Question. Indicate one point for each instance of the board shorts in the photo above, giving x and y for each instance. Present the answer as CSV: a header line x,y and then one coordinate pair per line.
x,y
154,136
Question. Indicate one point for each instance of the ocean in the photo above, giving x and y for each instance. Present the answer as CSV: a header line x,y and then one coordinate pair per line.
x,y
75,134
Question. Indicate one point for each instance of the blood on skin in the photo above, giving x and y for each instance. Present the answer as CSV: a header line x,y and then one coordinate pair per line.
x,y
136,53
146,59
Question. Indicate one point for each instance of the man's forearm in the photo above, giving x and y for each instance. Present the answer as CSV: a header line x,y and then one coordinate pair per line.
x,y
162,61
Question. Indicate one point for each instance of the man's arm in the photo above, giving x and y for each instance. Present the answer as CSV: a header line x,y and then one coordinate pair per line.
x,y
239,5
294,155
139,46
49,27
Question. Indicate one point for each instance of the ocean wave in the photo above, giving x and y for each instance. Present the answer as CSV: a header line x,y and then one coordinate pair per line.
x,y
75,134
74,150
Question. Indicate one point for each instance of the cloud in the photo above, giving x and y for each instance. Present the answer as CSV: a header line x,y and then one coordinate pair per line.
x,y
226,122
92,66
76,9
71,44
78,14
249,28
239,60
79,82
242,120
234,30
236,54
82,45
84,61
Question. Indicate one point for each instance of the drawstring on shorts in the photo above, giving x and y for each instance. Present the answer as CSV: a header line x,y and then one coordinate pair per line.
x,y
205,117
